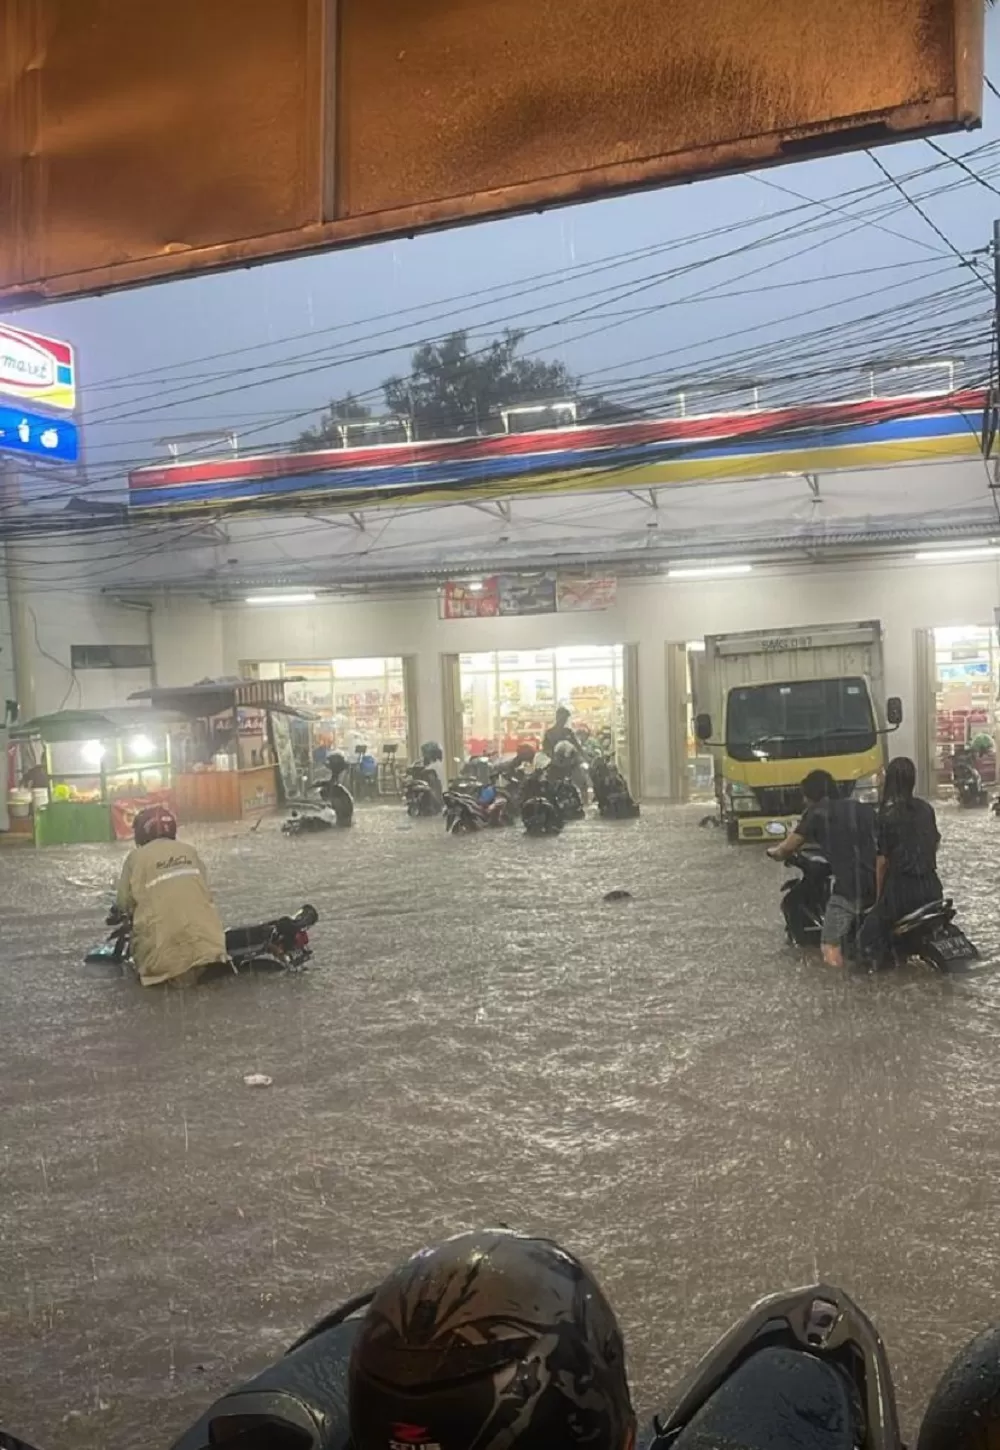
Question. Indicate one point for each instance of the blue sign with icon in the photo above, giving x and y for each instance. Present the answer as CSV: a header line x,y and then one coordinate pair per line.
x,y
53,440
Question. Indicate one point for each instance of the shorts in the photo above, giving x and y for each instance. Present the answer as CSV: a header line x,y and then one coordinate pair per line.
x,y
840,919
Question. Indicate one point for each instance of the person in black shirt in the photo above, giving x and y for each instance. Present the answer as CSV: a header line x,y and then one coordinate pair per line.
x,y
843,829
908,839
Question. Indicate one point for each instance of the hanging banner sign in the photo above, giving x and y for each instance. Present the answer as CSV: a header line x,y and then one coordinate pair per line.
x,y
470,601
527,593
576,595
36,369
54,440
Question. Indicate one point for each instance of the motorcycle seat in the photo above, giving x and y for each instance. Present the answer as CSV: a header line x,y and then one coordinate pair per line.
x,y
923,914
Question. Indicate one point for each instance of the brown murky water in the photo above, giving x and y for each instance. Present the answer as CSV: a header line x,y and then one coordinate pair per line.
x,y
704,1113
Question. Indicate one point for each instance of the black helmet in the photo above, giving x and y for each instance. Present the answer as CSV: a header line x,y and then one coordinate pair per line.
x,y
431,751
336,762
491,1341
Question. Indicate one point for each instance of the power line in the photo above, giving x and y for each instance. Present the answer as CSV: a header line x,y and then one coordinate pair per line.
x,y
920,212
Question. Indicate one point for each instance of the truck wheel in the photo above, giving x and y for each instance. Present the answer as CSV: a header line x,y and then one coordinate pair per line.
x,y
733,832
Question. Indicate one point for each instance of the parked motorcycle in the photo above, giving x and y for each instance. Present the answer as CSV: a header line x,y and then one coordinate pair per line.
x,y
928,934
803,1370
463,812
422,791
280,944
611,792
541,811
330,807
970,792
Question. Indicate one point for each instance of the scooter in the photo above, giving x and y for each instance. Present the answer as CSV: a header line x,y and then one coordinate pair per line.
x,y
970,792
463,810
611,792
541,811
928,934
422,791
803,1370
280,944
332,807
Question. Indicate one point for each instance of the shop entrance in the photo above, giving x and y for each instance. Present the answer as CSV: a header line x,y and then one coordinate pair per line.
x,y
509,698
362,706
966,675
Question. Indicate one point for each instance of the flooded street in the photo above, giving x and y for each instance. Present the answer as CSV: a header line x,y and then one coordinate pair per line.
x,y
701,1111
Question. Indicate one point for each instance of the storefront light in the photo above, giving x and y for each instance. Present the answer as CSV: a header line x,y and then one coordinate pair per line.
x,y
281,599
141,747
709,571
958,555
93,752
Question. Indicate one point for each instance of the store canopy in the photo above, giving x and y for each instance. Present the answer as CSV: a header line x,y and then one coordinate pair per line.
x,y
70,725
216,697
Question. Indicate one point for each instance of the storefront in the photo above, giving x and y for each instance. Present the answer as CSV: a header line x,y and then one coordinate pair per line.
x,y
508,698
361,706
967,685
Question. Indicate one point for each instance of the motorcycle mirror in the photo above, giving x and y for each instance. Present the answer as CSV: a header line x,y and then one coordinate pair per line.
x,y
894,711
703,727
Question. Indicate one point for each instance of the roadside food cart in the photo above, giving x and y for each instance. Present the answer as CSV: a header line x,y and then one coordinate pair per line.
x,y
80,776
239,750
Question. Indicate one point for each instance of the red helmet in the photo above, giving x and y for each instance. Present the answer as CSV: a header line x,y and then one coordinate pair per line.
x,y
154,823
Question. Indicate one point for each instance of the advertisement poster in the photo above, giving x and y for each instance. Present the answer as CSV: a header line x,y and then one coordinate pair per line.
x,y
470,601
527,593
576,595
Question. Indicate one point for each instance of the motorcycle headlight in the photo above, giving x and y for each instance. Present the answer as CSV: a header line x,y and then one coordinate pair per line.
x,y
866,790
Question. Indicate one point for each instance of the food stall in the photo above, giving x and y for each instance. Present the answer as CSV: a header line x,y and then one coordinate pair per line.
x,y
239,751
79,776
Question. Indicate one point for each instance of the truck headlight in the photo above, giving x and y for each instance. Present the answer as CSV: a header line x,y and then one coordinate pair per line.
x,y
866,790
741,798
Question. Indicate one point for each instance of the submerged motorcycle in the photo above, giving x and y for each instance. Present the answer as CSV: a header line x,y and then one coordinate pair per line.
x,y
929,934
332,807
970,792
611,792
281,944
803,1370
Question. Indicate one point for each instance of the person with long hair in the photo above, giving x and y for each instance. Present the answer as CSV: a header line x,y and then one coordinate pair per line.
x,y
906,874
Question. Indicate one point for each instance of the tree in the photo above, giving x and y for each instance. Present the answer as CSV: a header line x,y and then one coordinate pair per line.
x,y
453,388
327,434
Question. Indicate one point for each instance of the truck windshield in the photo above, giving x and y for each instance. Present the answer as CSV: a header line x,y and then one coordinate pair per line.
x,y
800,719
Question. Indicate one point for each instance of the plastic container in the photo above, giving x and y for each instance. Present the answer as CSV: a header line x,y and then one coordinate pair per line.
x,y
19,803
40,797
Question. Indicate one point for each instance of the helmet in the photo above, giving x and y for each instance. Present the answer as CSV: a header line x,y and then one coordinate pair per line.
x,y
430,752
336,763
490,1341
564,753
542,761
154,823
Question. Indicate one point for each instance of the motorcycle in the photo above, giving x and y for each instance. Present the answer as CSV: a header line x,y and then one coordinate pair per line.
x,y
332,807
803,1370
928,934
280,944
422,791
541,811
611,792
463,811
970,792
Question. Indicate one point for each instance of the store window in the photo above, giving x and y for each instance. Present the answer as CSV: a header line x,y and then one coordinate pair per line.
x,y
509,698
967,661
357,702
700,763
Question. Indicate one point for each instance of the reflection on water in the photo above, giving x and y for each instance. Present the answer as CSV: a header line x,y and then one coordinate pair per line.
x,y
660,1082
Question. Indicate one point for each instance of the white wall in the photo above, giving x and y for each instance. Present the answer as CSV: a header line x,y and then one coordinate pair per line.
x,y
198,639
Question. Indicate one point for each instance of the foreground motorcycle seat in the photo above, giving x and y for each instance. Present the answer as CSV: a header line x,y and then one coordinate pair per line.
x,y
913,919
780,1399
299,1403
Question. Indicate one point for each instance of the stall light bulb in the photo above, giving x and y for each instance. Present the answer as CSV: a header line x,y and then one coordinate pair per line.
x,y
281,599
709,571
142,746
93,752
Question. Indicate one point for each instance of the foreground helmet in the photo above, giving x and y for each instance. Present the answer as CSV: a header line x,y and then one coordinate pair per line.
x,y
154,823
336,763
564,753
491,1341
430,752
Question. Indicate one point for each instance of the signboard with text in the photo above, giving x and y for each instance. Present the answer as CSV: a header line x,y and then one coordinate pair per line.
x,y
37,370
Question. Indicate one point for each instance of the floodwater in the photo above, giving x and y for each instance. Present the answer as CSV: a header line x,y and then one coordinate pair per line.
x,y
662,1084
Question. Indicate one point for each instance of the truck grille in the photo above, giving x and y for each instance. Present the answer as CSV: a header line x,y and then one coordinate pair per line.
x,y
787,800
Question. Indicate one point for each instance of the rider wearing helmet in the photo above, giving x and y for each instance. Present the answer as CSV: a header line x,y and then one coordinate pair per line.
x,y
430,753
494,1341
176,929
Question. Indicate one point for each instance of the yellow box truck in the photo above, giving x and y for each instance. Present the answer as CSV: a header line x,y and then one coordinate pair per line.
x,y
776,704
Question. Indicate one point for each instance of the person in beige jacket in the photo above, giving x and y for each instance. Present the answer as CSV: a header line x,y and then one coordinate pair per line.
x,y
176,931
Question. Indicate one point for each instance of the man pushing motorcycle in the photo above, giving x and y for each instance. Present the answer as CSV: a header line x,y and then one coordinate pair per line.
x,y
176,930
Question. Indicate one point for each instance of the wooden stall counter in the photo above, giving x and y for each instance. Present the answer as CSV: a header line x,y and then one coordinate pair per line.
x,y
226,795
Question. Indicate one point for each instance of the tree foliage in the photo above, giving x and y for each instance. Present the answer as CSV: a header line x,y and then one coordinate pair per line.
x,y
326,434
454,388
